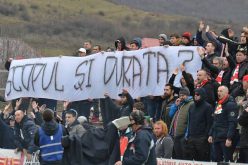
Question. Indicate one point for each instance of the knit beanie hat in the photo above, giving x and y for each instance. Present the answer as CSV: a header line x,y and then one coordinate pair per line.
x,y
187,35
184,91
164,36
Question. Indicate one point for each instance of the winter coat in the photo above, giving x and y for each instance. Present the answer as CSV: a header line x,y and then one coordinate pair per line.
x,y
200,116
141,148
225,122
24,135
243,121
180,117
164,147
76,129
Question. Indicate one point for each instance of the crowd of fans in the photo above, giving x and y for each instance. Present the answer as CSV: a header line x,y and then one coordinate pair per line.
x,y
206,119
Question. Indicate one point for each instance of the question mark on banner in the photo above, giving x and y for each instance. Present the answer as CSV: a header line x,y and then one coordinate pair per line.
x,y
180,52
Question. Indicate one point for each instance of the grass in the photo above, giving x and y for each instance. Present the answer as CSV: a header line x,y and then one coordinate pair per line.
x,y
60,26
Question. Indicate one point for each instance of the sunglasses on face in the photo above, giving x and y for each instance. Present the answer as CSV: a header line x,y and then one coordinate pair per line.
x,y
197,94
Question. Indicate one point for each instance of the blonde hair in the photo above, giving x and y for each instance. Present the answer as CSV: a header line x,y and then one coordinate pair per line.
x,y
164,127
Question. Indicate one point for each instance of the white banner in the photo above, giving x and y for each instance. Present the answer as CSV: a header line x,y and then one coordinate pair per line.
x,y
182,162
143,72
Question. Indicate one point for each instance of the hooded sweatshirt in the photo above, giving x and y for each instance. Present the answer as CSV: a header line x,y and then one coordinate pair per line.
x,y
200,116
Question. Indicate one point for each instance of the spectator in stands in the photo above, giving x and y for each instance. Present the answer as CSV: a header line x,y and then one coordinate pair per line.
x,y
6,113
49,103
7,137
72,124
211,36
126,103
96,49
141,148
227,36
243,121
120,44
139,106
186,81
164,144
163,40
169,99
194,41
82,107
81,52
136,44
221,68
88,47
241,69
25,130
174,39
36,113
198,126
186,39
204,82
209,53
48,139
179,111
224,125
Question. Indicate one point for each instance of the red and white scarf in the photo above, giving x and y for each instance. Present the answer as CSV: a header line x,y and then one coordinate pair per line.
x,y
201,84
235,76
219,77
218,109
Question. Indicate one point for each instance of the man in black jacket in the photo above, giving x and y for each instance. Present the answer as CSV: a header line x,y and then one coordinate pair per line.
x,y
141,148
240,70
113,111
25,129
243,121
203,81
224,125
199,123
169,99
242,101
222,72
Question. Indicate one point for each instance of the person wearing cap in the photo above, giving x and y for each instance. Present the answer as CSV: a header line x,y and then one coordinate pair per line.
x,y
136,44
25,129
141,148
186,39
163,40
126,103
178,113
223,129
221,72
48,139
198,126
81,52
240,70
72,124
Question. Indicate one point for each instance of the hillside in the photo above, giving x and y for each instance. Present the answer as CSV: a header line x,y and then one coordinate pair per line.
x,y
225,11
59,27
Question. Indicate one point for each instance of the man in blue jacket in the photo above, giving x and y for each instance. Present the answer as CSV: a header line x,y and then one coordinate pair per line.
x,y
48,138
